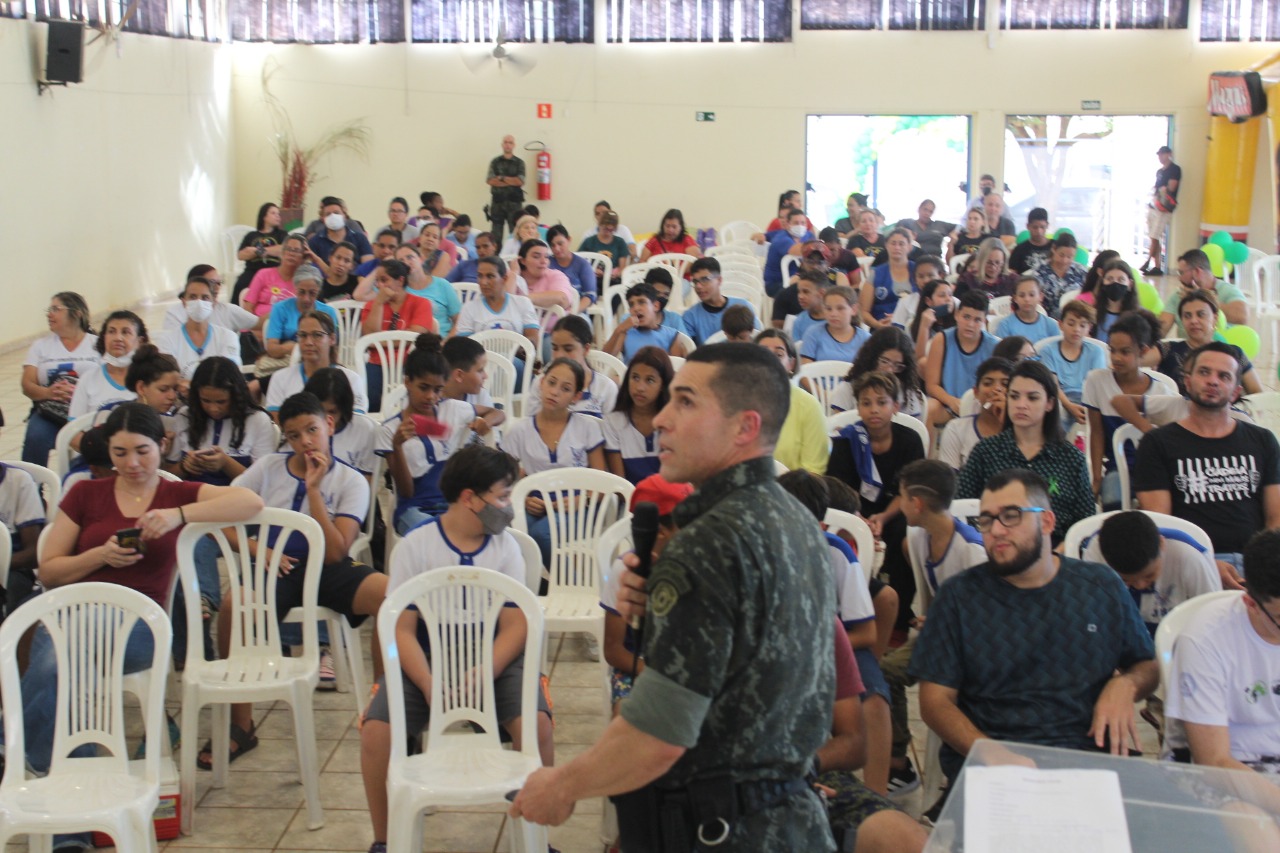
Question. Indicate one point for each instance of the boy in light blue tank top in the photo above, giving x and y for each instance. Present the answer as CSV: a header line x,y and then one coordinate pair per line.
x,y
954,356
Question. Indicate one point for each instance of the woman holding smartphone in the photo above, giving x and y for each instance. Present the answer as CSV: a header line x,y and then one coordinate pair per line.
x,y
87,542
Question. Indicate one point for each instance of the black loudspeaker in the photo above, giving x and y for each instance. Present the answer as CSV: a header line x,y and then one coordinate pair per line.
x,y
62,62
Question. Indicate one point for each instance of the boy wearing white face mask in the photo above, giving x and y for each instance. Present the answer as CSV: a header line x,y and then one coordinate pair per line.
x,y
476,482
782,243
337,230
197,338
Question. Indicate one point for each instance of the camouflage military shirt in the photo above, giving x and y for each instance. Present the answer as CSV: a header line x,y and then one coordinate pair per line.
x,y
506,167
738,663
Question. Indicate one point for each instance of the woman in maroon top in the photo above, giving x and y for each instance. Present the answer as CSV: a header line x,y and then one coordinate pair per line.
x,y
82,546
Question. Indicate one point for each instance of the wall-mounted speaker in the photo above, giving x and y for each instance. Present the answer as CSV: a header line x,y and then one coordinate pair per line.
x,y
64,53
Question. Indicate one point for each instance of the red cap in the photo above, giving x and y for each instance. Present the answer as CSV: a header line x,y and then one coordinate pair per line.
x,y
817,246
657,490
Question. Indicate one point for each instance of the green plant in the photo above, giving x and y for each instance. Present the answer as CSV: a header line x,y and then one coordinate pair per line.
x,y
298,163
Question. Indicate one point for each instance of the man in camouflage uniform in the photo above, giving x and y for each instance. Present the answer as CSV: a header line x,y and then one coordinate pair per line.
x,y
736,695
506,182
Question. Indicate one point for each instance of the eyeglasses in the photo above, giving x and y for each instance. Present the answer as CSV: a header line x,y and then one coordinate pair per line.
x,y
214,282
312,336
1265,612
55,309
1010,517
890,366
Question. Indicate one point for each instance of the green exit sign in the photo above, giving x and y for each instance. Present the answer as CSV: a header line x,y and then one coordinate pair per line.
x,y
704,116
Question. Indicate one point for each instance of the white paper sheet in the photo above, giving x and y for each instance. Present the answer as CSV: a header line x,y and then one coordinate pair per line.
x,y
1047,811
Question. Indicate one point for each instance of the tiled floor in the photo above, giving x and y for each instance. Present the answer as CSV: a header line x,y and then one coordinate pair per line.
x,y
261,809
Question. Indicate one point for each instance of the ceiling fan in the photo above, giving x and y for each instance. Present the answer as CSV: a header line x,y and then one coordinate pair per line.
x,y
481,57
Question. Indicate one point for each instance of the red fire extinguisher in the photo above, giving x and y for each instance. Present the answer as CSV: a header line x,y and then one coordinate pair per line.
x,y
544,175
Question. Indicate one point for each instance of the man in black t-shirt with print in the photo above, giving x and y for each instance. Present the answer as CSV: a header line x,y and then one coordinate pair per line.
x,y
1210,469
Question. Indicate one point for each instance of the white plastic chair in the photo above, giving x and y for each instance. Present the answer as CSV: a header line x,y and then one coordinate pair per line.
x,y
840,420
864,540
512,345
466,291
348,333
581,504
918,427
62,452
633,274
231,240
686,342
601,265
754,296
779,469
547,318
678,262
716,338
822,378
1124,434
957,264
500,380
611,366
459,606
1173,624
677,362
607,312
1266,273
256,669
1085,529
392,349
968,403
965,509
788,265
89,624
724,250
1264,408
532,559
47,481
738,231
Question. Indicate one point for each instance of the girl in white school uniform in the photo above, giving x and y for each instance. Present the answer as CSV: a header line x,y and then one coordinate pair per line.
x,y
571,338
355,435
220,432
556,437
630,439
417,441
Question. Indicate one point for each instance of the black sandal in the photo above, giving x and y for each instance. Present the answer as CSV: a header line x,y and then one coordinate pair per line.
x,y
244,742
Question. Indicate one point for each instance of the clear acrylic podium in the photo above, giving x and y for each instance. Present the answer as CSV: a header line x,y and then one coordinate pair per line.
x,y
1170,808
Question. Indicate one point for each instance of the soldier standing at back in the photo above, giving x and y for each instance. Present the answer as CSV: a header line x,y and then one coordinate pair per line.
x,y
714,742
506,186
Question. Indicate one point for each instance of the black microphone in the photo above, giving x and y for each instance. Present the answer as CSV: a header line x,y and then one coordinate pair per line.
x,y
644,532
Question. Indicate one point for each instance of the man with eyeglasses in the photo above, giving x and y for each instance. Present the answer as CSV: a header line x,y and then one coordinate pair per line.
x,y
704,319
1031,646
1224,684
1209,468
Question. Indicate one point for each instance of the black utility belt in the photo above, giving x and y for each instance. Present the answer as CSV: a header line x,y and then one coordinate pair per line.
x,y
697,817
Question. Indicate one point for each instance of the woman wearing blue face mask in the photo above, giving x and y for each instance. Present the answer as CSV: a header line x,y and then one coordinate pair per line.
x,y
936,313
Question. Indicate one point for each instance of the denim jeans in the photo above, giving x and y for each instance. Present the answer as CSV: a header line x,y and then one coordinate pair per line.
x,y
38,443
540,532
40,699
206,560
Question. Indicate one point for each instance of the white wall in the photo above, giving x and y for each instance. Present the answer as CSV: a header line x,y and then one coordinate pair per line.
x,y
113,187
624,129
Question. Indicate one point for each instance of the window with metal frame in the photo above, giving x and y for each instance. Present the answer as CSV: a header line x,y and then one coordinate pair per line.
x,y
467,21
1094,15
702,21
317,21
1239,20
893,14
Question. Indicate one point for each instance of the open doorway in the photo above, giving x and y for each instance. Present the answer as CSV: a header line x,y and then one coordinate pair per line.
x,y
1094,174
896,161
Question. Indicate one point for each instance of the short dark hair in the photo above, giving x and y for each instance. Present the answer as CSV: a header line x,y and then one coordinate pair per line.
x,y
736,320
300,404
1010,348
1139,328
976,300
578,326
829,235
1065,240
808,488
932,480
748,378
1196,259
660,274
1262,565
148,365
1129,541
1037,488
1190,364
843,497
993,365
711,265
1194,296
478,468
642,290
1051,427
462,353
876,380
932,261
427,358
1037,214
138,326
464,221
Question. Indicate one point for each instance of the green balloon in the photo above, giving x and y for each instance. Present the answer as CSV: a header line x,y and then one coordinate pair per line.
x,y
1237,253
1024,235
1148,296
1216,257
1082,257
1061,231
1245,338
1221,238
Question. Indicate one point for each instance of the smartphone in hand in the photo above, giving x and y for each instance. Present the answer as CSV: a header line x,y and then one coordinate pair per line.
x,y
131,538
